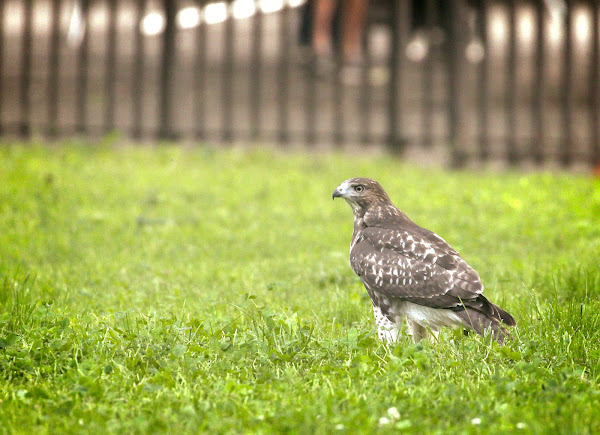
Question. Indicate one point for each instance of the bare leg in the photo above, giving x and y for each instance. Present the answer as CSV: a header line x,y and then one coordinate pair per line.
x,y
354,19
323,18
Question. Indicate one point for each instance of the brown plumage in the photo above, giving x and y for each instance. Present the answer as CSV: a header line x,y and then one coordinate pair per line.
x,y
411,272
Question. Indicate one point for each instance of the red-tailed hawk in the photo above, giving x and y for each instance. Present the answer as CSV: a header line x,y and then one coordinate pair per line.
x,y
411,272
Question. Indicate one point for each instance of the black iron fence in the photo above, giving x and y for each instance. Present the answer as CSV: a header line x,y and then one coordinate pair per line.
x,y
465,79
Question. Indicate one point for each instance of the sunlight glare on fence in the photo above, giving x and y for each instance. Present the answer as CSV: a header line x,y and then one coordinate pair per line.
x,y
241,9
582,25
188,18
215,12
555,28
498,22
270,6
153,24
526,24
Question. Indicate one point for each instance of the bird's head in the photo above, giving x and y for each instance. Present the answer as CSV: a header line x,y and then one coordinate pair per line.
x,y
361,193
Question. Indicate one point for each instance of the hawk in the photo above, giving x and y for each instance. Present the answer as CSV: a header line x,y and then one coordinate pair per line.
x,y
412,272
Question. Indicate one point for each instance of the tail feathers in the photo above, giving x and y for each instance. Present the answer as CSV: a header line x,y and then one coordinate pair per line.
x,y
485,307
506,318
480,322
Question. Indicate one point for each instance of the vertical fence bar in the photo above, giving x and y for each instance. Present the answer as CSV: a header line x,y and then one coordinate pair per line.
x,y
365,99
82,71
483,113
338,114
395,99
537,111
427,88
310,106
284,76
566,90
310,83
165,130
255,76
137,84
454,54
511,85
111,56
227,83
25,90
200,79
399,36
53,68
2,18
594,78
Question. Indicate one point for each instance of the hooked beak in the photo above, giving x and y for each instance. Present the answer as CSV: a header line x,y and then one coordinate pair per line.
x,y
336,194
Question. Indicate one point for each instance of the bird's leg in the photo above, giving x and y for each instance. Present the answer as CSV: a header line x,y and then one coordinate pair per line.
x,y
415,330
433,334
386,329
389,335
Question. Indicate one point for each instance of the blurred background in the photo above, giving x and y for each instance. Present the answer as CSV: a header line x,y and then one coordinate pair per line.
x,y
452,81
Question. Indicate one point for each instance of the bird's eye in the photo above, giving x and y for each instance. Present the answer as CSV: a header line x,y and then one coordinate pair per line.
x,y
359,188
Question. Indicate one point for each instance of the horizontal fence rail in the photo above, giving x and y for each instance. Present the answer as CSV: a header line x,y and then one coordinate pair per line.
x,y
469,80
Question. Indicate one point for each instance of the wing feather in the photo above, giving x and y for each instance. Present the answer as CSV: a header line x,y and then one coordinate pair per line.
x,y
417,266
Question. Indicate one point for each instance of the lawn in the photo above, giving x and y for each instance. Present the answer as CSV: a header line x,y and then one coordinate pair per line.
x,y
177,290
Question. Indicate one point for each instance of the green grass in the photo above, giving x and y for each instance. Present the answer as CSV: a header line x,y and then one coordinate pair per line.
x,y
175,290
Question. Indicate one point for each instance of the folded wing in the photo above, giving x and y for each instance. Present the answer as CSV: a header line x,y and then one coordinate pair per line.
x,y
419,267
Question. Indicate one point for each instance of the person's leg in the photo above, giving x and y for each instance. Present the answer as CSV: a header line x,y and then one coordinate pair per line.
x,y
354,14
323,15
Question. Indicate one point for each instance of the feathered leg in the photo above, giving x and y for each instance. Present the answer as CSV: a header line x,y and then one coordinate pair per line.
x,y
386,329
416,331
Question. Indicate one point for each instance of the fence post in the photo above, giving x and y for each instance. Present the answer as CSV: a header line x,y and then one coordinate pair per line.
x,y
138,71
310,86
82,71
109,85
227,92
254,107
483,84
25,73
537,111
594,83
337,124
394,100
455,98
365,99
565,148
1,60
283,77
199,79
427,83
165,129
53,69
511,86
